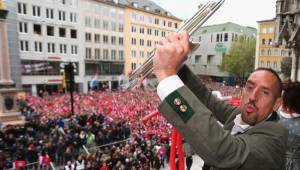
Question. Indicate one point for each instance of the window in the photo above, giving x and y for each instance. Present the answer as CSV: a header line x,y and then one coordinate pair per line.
x,y
133,41
141,42
105,54
210,59
142,18
97,53
37,29
169,24
149,43
275,52
38,46
121,27
88,22
62,32
36,11
156,32
63,2
133,28
133,53
63,48
270,42
51,47
73,17
73,33
221,37
275,64
88,53
218,38
97,38
133,66
121,40
142,29
113,40
113,54
105,25
24,45
121,55
97,23
268,64
156,21
142,54
49,13
88,37
23,27
133,15
269,52
61,15
74,49
22,8
226,37
149,31
113,26
105,39
197,58
175,25
50,31
163,33
262,52
263,41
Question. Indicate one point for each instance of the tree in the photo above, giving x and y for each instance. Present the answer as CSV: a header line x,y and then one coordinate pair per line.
x,y
241,57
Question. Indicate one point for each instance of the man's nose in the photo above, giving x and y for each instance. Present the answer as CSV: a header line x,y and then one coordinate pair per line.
x,y
254,94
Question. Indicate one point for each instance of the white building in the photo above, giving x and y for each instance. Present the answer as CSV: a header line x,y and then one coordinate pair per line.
x,y
103,46
89,33
48,36
215,41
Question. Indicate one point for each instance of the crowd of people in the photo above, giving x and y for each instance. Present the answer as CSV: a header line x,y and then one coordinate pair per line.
x,y
100,118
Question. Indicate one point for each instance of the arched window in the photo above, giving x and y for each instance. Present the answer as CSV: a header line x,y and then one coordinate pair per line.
x,y
269,52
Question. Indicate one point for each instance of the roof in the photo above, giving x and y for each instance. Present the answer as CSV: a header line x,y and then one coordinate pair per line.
x,y
267,20
228,26
148,5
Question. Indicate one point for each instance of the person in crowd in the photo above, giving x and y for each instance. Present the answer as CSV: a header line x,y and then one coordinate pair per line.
x,y
250,138
69,166
290,118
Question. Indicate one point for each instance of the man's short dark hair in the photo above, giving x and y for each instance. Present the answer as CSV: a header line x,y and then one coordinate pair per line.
x,y
280,86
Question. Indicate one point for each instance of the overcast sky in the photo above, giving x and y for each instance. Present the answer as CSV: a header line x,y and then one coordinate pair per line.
x,y
242,12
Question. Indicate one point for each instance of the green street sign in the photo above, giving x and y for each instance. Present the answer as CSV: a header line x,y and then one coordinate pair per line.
x,y
220,48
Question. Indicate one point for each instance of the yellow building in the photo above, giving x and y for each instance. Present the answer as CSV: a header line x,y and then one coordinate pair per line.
x,y
267,54
145,24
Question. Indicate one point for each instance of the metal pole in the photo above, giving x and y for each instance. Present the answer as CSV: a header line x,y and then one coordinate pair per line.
x,y
71,85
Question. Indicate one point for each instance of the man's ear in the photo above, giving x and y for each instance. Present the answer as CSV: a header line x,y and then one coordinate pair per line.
x,y
277,104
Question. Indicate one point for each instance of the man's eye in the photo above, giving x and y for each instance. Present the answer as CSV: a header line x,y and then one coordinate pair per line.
x,y
249,87
266,92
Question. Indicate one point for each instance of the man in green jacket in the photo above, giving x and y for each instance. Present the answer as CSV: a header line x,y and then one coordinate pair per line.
x,y
250,138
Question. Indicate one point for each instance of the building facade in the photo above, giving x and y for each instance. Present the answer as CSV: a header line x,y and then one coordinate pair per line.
x,y
145,24
103,32
267,53
288,31
102,38
215,41
49,36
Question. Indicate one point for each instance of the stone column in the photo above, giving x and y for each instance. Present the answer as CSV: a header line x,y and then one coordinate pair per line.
x,y
5,78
